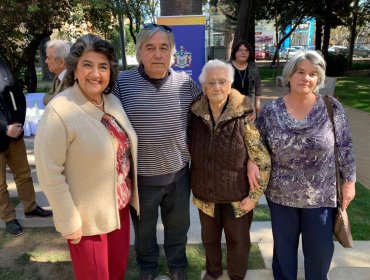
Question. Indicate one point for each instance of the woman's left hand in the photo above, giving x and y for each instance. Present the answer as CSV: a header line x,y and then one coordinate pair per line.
x,y
253,173
348,193
247,204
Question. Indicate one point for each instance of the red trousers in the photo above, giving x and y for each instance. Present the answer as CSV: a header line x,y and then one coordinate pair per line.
x,y
104,256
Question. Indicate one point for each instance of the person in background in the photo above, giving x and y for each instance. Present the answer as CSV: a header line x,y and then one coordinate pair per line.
x,y
247,79
157,101
56,54
302,189
85,152
13,154
222,141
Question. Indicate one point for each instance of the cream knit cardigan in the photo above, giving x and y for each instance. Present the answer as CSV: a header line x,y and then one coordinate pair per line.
x,y
76,163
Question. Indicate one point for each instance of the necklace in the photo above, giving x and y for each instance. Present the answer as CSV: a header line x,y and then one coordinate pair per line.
x,y
242,77
98,105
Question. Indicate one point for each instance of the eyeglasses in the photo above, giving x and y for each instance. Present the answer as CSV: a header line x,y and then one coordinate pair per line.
x,y
213,84
164,28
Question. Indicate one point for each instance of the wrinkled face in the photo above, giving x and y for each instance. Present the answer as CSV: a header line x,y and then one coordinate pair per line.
x,y
304,80
216,86
55,65
242,54
155,54
93,73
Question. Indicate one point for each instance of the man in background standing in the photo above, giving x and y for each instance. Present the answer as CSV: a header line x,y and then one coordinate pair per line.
x,y
14,155
56,53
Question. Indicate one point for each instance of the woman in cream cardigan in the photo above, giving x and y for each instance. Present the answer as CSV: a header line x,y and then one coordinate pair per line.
x,y
86,151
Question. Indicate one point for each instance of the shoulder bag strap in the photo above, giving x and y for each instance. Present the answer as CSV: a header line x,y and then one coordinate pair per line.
x,y
329,108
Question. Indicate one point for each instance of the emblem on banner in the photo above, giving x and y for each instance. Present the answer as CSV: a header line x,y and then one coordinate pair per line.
x,y
183,58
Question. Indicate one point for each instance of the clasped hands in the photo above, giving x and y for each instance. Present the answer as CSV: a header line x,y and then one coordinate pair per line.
x,y
253,173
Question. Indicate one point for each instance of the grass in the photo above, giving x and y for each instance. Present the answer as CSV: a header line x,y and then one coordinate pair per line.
x,y
354,91
358,213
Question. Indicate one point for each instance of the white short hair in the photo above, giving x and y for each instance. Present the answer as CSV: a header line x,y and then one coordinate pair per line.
x,y
219,64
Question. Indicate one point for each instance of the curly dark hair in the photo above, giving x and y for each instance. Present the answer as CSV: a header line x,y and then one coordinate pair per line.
x,y
236,48
91,42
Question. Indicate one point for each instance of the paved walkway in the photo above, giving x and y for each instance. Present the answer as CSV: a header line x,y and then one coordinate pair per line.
x,y
347,263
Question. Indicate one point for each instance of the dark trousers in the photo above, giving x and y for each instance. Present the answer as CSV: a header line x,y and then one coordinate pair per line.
x,y
316,227
237,237
173,202
16,158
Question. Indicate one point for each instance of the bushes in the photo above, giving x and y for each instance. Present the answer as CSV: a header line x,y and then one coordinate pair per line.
x,y
337,64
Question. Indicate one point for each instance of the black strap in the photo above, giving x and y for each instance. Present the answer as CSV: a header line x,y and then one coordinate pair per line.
x,y
329,108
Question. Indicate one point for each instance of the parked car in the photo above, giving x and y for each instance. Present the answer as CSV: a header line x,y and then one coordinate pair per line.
x,y
338,49
361,51
270,52
260,54
288,53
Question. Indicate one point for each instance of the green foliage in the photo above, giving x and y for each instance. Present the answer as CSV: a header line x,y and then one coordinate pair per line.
x,y
358,213
337,64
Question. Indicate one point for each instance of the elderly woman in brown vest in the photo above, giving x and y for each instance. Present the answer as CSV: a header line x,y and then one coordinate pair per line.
x,y
229,171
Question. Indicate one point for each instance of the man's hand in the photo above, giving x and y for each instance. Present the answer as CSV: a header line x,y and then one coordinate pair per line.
x,y
14,130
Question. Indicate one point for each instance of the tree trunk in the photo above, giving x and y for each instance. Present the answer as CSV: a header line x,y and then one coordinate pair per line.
x,y
318,34
245,20
353,34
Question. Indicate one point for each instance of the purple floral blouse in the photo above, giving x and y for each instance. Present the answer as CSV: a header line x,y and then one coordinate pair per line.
x,y
302,154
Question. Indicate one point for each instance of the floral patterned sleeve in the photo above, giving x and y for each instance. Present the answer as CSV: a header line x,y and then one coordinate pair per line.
x,y
258,153
346,155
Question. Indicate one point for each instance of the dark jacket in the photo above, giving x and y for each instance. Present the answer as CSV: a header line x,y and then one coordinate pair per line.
x,y
219,156
10,112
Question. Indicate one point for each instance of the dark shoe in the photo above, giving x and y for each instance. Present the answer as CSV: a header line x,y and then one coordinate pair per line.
x,y
14,228
39,212
147,275
177,275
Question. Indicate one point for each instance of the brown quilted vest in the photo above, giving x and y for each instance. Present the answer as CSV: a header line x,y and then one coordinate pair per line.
x,y
218,160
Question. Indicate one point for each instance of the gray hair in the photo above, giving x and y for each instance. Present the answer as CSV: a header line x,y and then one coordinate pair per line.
x,y
91,42
61,48
314,58
219,64
145,34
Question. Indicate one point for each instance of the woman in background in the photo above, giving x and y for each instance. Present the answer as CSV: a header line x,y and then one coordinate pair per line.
x,y
86,151
247,79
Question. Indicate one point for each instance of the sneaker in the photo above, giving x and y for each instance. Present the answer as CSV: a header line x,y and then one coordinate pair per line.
x,y
38,212
14,228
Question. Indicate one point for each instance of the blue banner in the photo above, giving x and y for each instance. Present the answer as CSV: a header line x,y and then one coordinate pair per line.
x,y
189,32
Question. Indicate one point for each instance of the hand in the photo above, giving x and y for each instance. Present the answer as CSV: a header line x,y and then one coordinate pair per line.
x,y
348,194
247,204
14,130
252,117
74,237
253,173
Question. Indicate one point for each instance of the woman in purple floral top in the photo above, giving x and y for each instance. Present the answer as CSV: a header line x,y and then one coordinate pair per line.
x,y
302,190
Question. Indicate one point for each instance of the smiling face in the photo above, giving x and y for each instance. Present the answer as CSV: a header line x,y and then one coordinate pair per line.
x,y
304,79
93,73
155,54
216,86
